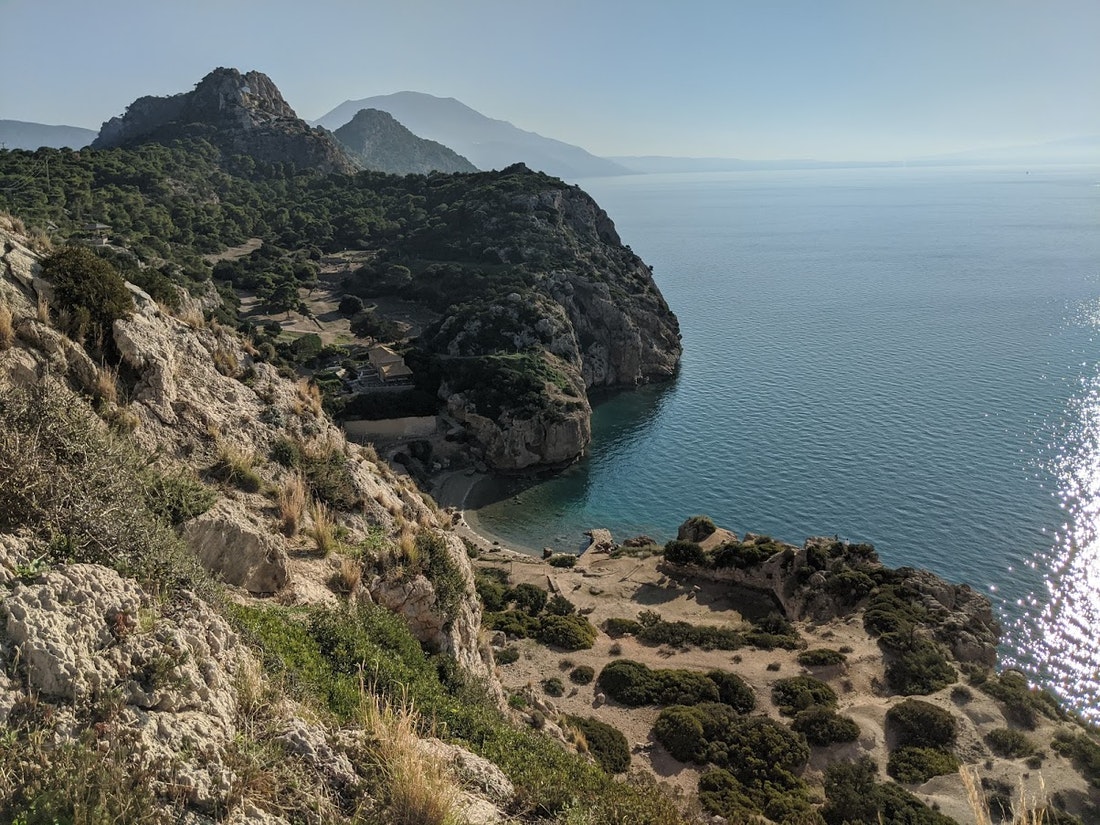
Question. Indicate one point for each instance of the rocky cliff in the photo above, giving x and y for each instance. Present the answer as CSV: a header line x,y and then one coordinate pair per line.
x,y
240,113
381,144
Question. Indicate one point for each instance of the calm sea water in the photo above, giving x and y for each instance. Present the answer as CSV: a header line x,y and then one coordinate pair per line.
x,y
902,356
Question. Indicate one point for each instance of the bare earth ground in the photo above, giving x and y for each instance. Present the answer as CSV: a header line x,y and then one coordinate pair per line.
x,y
603,587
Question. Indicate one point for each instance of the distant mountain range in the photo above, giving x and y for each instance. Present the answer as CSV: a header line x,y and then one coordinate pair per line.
x,y
487,143
19,134
382,144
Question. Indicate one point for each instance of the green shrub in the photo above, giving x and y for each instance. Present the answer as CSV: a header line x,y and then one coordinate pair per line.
x,y
562,560
919,669
680,730
508,655
854,795
678,551
177,496
798,693
822,726
492,593
1023,703
286,452
915,765
90,289
328,474
236,468
582,674
1009,743
733,691
635,684
529,598
821,657
684,634
567,632
1084,752
606,743
558,605
553,686
919,724
616,627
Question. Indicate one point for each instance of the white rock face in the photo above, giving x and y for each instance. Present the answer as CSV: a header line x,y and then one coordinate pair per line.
x,y
81,633
236,548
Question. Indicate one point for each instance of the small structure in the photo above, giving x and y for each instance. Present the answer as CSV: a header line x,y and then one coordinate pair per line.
x,y
390,366
97,233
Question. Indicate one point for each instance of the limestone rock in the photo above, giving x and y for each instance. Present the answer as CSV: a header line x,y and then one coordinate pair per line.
x,y
474,772
64,356
310,743
233,546
600,541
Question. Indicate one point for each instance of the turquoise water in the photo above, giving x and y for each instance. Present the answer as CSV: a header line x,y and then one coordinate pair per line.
x,y
901,356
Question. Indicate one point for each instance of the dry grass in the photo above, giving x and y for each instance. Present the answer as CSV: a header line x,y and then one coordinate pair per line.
x,y
237,468
105,387
406,546
39,241
292,503
7,329
347,578
43,309
309,398
226,362
192,316
415,787
1027,811
324,528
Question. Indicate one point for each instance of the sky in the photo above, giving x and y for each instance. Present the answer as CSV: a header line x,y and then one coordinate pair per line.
x,y
825,79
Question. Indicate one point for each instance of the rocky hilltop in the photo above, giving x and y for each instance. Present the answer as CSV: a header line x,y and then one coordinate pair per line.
x,y
240,113
382,144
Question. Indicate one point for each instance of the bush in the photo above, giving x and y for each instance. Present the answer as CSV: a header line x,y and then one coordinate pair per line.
x,y
606,743
919,669
821,657
678,551
529,598
634,684
733,691
1084,752
236,468
350,305
920,724
562,560
582,675
696,528
560,606
1023,703
680,730
1009,743
915,765
801,692
854,795
508,655
492,593
177,496
553,687
616,627
567,632
90,289
822,726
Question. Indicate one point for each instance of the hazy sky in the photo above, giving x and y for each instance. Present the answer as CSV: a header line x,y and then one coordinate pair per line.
x,y
843,79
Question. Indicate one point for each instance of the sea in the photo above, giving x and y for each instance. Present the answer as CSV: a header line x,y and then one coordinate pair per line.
x,y
904,356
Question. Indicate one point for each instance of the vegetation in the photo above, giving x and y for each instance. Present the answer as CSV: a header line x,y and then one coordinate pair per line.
x,y
767,634
1083,750
582,675
606,743
1023,703
89,290
921,724
1009,743
917,765
635,684
798,693
552,621
854,794
821,657
824,726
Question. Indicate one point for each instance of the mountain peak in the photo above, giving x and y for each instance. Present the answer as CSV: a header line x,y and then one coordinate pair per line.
x,y
380,143
239,113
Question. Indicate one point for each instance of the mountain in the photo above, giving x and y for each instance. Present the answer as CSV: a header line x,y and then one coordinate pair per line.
x,y
488,143
381,144
655,164
239,113
19,134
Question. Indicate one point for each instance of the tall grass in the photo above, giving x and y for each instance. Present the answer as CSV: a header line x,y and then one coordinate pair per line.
x,y
1027,811
415,787
292,503
7,330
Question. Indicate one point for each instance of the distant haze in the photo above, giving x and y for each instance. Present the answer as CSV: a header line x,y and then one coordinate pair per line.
x,y
837,80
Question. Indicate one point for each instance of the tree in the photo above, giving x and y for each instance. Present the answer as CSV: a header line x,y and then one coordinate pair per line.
x,y
89,288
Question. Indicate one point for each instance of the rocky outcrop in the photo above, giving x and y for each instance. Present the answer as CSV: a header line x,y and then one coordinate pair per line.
x,y
239,113
381,144
453,628
237,549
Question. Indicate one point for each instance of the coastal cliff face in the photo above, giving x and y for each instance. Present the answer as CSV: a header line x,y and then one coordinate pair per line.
x,y
240,113
585,313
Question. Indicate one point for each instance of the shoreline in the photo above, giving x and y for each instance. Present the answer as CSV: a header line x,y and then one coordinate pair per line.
x,y
452,490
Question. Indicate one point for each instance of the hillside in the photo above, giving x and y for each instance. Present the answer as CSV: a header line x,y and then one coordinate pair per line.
x,y
381,144
240,113
487,142
530,298
19,134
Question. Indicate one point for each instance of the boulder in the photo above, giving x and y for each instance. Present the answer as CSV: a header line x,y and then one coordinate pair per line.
x,y
238,549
